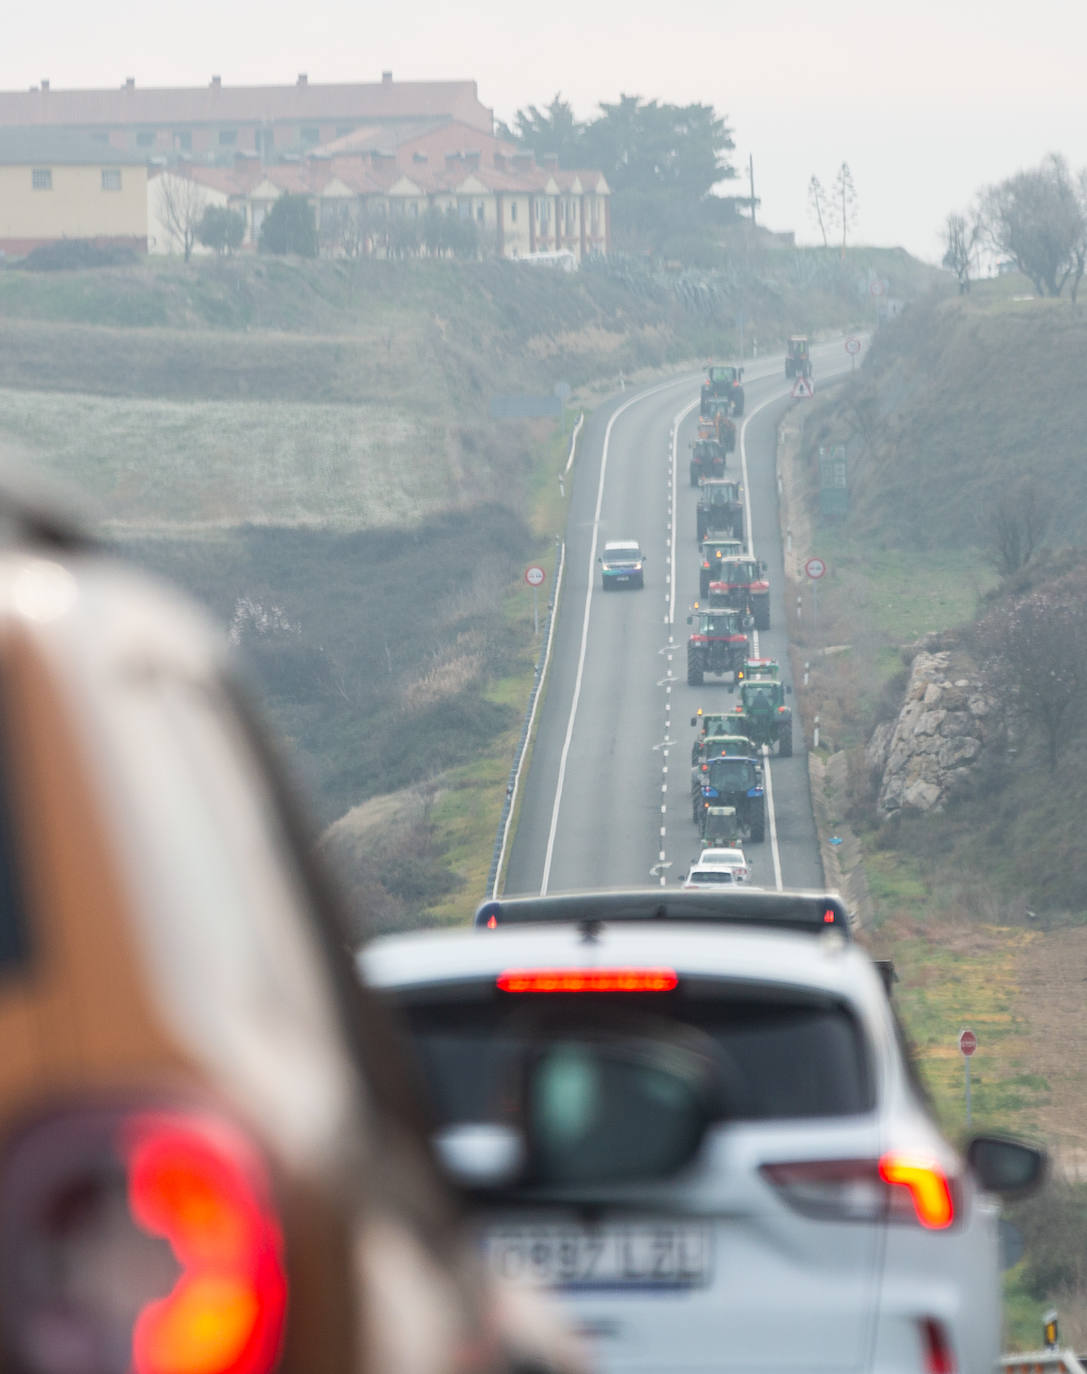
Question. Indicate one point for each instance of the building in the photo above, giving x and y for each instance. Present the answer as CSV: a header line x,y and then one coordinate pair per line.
x,y
218,120
56,185
360,188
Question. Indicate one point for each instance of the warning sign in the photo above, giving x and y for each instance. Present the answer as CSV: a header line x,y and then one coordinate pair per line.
x,y
803,388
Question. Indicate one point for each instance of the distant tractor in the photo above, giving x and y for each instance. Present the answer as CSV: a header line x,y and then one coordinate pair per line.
x,y
798,357
717,644
707,458
720,508
713,554
737,783
764,716
717,414
711,723
720,828
740,582
723,383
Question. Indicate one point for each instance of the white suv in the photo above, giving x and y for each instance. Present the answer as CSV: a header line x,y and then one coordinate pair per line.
x,y
691,1113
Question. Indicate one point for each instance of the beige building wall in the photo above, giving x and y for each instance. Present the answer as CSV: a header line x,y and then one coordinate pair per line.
x,y
516,224
160,239
49,202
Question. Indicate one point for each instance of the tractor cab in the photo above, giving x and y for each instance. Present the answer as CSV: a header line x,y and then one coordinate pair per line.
x,y
731,776
717,622
721,828
727,746
798,357
761,668
722,377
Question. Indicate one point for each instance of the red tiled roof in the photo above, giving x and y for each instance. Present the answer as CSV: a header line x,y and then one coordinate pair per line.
x,y
384,100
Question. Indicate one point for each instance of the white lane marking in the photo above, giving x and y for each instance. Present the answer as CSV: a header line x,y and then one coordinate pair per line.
x,y
590,584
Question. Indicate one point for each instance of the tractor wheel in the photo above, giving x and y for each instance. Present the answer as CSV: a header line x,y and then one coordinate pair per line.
x,y
703,584
695,668
762,613
758,827
738,405
738,527
694,475
788,368
696,808
785,742
700,523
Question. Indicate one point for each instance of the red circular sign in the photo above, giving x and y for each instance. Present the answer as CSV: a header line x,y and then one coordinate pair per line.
x,y
534,576
815,568
968,1042
852,345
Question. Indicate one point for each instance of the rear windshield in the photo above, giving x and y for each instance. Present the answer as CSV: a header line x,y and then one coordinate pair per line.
x,y
778,1059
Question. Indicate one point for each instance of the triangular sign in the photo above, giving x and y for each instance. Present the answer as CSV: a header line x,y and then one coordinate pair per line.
x,y
803,388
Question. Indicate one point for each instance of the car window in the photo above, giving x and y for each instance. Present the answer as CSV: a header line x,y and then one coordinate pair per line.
x,y
779,1058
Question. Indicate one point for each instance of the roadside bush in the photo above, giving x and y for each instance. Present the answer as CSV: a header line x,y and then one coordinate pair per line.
x,y
290,226
221,229
68,255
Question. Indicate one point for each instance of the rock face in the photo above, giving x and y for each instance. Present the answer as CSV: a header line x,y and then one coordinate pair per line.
x,y
938,738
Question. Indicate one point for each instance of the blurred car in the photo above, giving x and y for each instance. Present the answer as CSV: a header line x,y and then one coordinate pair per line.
x,y
210,1159
718,867
622,564
815,1218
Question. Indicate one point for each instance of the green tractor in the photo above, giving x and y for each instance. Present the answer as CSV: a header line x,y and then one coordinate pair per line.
x,y
734,782
720,508
711,723
720,828
721,745
765,717
723,383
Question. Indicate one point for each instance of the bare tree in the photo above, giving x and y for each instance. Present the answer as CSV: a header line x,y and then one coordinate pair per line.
x,y
961,239
181,206
817,203
1036,218
1016,525
844,203
1036,659
344,230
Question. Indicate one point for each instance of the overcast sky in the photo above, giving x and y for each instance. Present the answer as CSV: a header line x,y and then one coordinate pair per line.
x,y
926,101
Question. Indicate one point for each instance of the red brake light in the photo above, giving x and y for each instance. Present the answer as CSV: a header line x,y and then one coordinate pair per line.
x,y
492,923
828,917
939,1356
928,1188
588,980
167,1217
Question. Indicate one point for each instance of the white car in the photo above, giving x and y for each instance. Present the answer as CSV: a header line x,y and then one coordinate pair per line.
x,y
691,1114
622,564
716,868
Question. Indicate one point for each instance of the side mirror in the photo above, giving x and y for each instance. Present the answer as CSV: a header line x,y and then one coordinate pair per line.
x,y
694,720
788,691
690,620
600,558
762,565
1005,1166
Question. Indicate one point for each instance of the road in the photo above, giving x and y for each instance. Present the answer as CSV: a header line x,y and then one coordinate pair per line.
x,y
606,800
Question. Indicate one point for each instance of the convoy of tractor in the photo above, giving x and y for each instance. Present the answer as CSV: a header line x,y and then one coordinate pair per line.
x,y
728,800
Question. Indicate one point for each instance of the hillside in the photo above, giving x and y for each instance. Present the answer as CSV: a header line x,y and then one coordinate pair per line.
x,y
307,447
964,409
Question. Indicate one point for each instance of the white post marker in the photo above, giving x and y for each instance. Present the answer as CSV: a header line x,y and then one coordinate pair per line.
x,y
815,569
534,576
968,1043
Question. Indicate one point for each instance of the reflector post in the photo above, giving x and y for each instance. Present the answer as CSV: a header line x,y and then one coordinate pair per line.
x,y
547,980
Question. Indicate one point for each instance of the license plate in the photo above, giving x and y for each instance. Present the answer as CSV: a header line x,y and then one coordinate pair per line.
x,y
559,1256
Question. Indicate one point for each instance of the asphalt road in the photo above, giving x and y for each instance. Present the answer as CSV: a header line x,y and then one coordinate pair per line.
x,y
606,800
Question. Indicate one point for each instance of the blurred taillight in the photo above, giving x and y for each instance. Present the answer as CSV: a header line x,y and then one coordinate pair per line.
x,y
939,1356
927,1185
139,1242
894,1187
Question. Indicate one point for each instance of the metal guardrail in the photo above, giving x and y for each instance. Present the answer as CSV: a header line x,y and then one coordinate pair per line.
x,y
1042,1362
513,787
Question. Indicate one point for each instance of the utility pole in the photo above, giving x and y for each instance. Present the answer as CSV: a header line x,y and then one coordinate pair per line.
x,y
751,183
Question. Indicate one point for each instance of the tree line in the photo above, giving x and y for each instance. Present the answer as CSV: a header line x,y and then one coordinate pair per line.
x,y
1036,219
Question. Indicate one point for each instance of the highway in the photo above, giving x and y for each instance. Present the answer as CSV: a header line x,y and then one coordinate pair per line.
x,y
606,799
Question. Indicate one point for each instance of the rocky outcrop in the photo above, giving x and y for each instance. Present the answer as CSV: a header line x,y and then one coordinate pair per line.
x,y
938,738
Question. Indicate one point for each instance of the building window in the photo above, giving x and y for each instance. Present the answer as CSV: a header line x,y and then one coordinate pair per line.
x,y
342,130
111,178
228,138
479,212
513,213
100,136
145,138
41,179
310,134
183,141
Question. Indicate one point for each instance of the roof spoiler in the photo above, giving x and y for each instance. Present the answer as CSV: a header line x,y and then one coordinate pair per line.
x,y
808,912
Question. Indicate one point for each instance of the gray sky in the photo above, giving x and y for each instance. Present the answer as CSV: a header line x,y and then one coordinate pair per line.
x,y
925,101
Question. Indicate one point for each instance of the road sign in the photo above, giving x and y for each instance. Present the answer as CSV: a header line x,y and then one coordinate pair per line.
x,y
877,288
803,388
852,345
815,568
968,1042
534,576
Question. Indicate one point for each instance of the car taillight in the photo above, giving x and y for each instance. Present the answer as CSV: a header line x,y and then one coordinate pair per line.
x,y
139,1242
894,1187
588,980
927,1186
